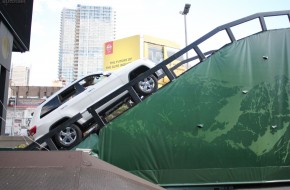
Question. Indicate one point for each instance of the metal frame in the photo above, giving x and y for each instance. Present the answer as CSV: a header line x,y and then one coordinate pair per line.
x,y
166,72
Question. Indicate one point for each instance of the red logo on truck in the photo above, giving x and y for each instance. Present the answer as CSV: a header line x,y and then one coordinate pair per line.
x,y
108,48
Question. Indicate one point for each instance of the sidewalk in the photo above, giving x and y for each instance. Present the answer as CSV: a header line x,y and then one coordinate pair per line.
x,y
13,141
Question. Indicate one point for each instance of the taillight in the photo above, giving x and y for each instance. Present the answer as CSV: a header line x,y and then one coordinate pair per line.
x,y
32,131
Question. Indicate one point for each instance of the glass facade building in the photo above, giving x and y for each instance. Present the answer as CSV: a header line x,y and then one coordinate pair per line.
x,y
84,31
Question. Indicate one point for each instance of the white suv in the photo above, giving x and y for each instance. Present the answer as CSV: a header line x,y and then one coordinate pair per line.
x,y
79,95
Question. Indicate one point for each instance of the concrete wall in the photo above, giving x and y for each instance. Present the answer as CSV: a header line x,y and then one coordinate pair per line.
x,y
13,142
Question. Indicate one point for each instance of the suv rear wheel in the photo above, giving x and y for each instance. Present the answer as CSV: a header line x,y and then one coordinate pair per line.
x,y
68,137
147,86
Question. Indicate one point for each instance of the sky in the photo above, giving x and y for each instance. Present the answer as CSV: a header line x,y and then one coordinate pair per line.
x,y
159,18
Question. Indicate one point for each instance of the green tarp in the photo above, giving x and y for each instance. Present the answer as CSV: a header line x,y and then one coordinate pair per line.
x,y
90,144
224,121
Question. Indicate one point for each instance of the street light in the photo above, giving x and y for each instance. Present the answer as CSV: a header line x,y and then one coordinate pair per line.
x,y
184,12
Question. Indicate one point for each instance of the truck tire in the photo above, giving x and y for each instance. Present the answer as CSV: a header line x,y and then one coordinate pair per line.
x,y
147,86
68,137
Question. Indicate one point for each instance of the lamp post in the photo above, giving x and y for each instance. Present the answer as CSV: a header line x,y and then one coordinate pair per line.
x,y
184,12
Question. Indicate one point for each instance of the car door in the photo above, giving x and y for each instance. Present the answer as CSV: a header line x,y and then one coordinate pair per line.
x,y
74,99
106,85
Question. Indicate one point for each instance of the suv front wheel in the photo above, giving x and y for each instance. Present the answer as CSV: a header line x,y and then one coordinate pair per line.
x,y
147,86
68,137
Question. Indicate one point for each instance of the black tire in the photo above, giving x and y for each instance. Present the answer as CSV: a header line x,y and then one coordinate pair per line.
x,y
68,137
147,86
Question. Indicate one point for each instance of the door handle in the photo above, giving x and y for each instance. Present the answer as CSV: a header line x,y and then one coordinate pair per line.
x,y
91,90
63,107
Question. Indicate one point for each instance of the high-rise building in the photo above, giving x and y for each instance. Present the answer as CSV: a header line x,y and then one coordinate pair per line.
x,y
84,31
20,76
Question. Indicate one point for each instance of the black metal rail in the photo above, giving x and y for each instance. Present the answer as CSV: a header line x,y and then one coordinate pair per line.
x,y
168,72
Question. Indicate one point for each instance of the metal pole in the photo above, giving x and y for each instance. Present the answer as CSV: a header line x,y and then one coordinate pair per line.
x,y
185,27
185,12
13,121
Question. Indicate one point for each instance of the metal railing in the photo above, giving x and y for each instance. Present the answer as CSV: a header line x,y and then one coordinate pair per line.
x,y
167,72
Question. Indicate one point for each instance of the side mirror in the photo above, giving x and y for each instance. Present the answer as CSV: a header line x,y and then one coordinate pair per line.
x,y
107,74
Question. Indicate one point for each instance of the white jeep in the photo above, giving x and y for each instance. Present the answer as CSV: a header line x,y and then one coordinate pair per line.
x,y
81,94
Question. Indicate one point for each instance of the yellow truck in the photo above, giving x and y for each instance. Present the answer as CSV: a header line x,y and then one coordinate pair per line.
x,y
120,52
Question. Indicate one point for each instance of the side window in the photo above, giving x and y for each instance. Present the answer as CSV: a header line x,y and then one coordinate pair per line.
x,y
50,106
90,80
69,93
172,51
155,53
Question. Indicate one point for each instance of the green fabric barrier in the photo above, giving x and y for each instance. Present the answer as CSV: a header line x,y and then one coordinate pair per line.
x,y
224,121
91,142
